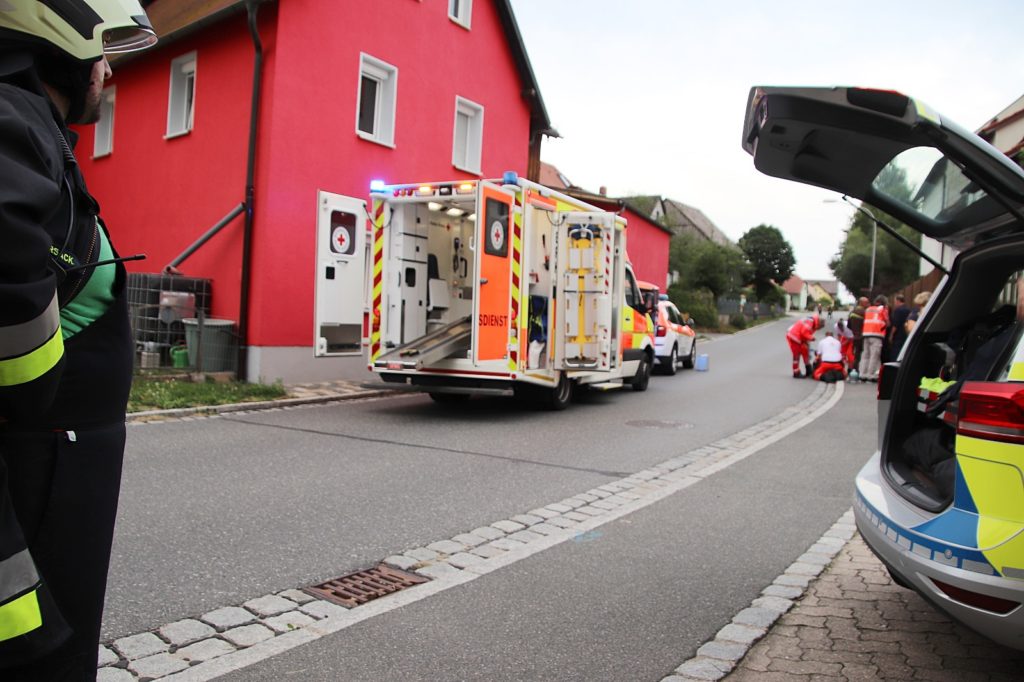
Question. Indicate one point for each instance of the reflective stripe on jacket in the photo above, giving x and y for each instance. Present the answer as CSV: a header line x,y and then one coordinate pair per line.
x,y
19,602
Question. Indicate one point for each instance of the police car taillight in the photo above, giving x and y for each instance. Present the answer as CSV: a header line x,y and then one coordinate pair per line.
x,y
991,410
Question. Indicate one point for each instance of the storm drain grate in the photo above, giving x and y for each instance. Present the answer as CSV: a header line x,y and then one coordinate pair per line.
x,y
360,587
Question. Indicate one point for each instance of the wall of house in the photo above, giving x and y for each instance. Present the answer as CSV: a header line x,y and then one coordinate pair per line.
x,y
648,249
159,195
314,145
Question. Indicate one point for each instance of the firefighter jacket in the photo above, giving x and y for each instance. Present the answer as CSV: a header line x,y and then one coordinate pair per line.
x,y
802,331
876,319
66,350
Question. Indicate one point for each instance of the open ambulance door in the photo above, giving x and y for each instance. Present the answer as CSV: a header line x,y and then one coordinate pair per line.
x,y
341,259
584,293
492,295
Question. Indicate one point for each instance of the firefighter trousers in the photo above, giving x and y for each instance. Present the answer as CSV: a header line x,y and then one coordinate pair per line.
x,y
63,488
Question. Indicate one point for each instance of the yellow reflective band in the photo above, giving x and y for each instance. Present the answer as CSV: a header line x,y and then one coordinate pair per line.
x,y
20,616
1016,371
25,368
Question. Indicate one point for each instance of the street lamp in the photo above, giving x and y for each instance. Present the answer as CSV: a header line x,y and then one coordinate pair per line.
x,y
874,238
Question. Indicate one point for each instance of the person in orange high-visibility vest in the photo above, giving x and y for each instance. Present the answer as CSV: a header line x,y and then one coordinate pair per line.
x,y
876,323
799,337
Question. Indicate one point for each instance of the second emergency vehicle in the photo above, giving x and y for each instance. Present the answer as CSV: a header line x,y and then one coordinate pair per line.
x,y
502,287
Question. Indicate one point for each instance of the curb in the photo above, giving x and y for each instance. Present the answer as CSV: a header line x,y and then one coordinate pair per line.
x,y
718,657
212,410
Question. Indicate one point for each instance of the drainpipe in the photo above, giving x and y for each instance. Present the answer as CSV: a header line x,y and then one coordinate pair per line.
x,y
251,7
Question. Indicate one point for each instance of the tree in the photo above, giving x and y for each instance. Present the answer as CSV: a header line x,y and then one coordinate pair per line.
x,y
895,265
770,255
702,264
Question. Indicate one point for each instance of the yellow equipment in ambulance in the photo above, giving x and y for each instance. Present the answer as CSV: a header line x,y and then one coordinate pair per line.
x,y
501,287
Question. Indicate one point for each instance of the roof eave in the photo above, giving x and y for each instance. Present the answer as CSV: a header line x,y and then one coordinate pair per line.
x,y
540,122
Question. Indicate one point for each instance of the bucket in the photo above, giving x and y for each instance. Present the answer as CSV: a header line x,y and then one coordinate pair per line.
x,y
212,346
179,357
702,363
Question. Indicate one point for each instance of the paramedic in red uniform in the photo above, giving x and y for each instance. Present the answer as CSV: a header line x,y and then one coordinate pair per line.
x,y
846,339
799,338
830,360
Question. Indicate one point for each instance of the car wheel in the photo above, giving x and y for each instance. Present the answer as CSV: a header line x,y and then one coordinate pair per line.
x,y
643,374
673,361
446,398
558,397
690,360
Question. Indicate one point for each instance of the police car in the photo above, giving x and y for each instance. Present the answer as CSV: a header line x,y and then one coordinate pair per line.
x,y
675,341
941,502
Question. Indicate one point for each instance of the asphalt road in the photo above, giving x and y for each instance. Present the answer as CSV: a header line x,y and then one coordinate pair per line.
x,y
218,511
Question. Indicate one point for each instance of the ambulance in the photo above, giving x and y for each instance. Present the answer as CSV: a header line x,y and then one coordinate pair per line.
x,y
501,287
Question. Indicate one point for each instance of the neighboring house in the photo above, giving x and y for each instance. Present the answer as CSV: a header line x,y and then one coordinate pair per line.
x,y
1005,132
647,241
552,177
349,92
816,293
797,293
684,219
823,290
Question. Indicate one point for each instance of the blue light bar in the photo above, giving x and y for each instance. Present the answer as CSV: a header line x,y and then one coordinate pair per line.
x,y
510,178
377,185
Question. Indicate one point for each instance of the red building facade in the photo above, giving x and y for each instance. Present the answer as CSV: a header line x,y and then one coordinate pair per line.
x,y
350,92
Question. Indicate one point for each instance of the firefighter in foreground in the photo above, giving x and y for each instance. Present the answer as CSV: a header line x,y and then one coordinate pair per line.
x,y
799,338
66,349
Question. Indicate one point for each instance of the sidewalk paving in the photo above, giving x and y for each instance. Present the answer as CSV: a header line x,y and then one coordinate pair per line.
x,y
854,623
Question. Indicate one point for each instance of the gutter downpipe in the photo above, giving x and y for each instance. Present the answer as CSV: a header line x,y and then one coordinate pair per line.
x,y
251,7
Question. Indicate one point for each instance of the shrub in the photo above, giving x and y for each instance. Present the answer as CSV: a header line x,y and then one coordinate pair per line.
x,y
738,321
698,304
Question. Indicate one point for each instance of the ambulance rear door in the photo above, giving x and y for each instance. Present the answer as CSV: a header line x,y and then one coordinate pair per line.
x,y
585,287
340,274
492,295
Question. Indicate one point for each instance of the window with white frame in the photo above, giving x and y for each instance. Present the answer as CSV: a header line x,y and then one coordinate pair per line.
x,y
181,105
103,142
460,11
375,109
469,135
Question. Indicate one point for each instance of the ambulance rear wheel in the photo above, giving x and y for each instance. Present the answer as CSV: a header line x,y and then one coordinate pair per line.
x,y
447,398
643,374
558,397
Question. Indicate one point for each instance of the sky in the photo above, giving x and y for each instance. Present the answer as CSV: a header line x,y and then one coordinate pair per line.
x,y
649,96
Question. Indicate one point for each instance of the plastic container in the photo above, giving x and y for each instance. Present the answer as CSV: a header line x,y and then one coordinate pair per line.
x,y
702,363
213,347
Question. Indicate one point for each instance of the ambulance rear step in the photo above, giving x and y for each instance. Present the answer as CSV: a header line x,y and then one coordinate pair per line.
x,y
448,340
605,386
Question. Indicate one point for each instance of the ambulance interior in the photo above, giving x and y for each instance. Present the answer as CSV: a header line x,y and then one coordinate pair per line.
x,y
430,289
431,284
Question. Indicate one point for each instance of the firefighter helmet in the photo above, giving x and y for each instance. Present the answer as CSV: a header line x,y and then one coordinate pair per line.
x,y
81,29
